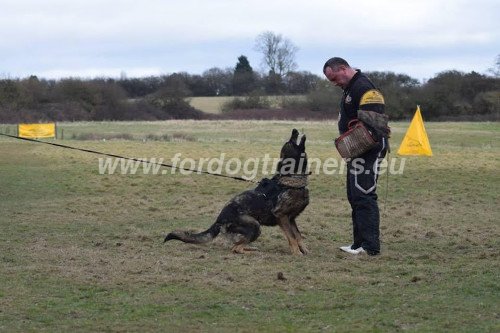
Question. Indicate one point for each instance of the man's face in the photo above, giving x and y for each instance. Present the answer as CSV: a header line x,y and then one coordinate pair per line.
x,y
338,76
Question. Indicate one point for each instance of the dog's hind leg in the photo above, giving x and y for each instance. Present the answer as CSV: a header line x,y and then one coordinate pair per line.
x,y
243,231
290,235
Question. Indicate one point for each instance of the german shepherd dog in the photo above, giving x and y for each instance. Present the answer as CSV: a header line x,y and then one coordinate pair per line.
x,y
275,201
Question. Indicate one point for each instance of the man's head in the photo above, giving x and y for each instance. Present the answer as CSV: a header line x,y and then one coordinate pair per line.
x,y
338,71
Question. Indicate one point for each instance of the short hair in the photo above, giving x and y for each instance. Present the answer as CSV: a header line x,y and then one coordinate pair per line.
x,y
334,63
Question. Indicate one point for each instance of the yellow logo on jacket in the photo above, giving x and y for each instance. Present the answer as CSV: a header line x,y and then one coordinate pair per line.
x,y
372,97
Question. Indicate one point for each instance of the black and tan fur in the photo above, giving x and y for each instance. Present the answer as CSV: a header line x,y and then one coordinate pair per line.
x,y
275,201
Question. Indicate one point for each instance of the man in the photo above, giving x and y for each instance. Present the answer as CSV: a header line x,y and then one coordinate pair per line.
x,y
360,94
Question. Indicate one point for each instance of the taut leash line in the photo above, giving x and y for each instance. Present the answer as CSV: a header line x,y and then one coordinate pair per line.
x,y
123,157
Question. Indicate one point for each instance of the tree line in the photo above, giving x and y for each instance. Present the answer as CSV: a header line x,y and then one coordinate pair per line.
x,y
450,95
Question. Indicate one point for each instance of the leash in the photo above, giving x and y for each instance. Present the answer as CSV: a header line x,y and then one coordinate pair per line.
x,y
124,157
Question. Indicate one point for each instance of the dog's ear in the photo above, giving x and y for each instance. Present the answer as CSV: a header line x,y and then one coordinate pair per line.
x,y
302,143
295,135
287,150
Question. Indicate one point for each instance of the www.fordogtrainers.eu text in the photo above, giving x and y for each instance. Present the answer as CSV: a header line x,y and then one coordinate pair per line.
x,y
248,168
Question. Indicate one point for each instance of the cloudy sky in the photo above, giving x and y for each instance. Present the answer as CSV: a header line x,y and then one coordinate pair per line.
x,y
90,38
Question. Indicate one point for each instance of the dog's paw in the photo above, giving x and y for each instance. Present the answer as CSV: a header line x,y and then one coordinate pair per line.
x,y
241,249
304,249
297,252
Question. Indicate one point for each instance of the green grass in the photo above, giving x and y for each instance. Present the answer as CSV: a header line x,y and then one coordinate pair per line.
x,y
80,251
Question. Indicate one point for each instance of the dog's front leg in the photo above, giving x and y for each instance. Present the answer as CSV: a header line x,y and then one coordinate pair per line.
x,y
298,237
285,225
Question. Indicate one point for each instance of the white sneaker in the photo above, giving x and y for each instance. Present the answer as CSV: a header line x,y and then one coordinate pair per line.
x,y
348,249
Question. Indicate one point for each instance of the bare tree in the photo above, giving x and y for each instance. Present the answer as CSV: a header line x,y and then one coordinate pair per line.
x,y
495,71
219,81
278,52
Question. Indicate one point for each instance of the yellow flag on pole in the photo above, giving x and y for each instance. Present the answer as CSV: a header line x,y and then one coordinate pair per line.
x,y
416,141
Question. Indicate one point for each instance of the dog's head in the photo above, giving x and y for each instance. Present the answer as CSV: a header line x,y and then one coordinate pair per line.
x,y
293,157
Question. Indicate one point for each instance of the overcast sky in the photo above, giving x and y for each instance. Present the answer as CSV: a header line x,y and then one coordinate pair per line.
x,y
90,38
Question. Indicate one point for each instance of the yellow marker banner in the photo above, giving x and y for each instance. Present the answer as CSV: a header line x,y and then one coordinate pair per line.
x,y
37,130
416,141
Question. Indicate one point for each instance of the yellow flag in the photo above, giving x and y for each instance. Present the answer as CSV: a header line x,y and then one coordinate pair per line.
x,y
416,141
37,130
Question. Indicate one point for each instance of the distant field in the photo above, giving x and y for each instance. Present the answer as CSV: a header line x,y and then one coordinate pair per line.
x,y
213,104
209,104
83,251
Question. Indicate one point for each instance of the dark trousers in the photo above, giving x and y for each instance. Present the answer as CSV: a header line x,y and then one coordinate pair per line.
x,y
362,175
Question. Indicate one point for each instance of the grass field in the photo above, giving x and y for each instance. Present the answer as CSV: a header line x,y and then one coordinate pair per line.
x,y
83,251
213,104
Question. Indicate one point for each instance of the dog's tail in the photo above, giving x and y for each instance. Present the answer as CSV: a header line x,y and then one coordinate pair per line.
x,y
195,238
